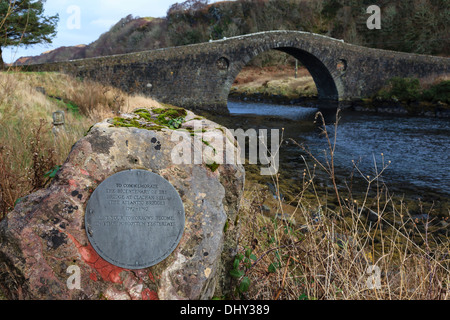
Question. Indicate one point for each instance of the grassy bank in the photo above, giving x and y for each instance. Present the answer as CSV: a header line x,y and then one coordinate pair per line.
x,y
30,150
274,83
313,254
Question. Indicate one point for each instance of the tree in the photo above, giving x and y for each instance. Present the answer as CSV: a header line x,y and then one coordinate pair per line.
x,y
190,6
22,22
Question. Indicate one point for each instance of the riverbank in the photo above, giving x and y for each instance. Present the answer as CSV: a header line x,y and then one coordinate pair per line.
x,y
283,85
317,248
276,84
368,218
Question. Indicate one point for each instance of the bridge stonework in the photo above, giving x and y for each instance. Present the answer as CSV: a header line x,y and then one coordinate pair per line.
x,y
200,76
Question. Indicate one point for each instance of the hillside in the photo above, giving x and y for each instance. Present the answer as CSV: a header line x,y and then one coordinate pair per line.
x,y
130,34
411,26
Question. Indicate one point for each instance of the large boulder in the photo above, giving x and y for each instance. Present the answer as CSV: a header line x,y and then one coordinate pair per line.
x,y
43,242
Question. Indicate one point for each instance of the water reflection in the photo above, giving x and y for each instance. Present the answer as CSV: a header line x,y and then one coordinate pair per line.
x,y
291,112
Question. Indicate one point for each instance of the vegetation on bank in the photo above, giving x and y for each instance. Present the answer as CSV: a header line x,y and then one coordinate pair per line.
x,y
29,149
275,83
311,252
410,89
410,96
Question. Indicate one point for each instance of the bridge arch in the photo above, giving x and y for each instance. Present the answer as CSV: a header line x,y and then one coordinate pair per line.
x,y
324,70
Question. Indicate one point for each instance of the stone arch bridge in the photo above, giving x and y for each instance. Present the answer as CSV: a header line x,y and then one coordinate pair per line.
x,y
200,76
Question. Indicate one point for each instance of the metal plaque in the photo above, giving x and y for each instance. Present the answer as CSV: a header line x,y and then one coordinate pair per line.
x,y
135,219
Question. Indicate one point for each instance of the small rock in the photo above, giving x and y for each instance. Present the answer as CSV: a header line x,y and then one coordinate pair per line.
x,y
41,90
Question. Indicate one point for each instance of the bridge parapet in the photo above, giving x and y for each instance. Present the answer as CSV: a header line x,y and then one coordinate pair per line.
x,y
200,76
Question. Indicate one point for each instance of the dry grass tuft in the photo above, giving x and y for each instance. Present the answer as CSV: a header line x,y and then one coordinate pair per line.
x,y
29,145
310,252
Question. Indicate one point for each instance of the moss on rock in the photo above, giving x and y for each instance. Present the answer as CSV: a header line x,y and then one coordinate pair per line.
x,y
153,119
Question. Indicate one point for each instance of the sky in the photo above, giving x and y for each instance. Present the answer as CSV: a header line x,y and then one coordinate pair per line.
x,y
83,21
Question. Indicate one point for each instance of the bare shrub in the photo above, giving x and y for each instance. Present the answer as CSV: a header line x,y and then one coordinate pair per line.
x,y
353,252
23,166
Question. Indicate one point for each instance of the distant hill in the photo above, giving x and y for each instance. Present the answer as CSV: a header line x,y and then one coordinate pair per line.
x,y
411,26
59,54
130,34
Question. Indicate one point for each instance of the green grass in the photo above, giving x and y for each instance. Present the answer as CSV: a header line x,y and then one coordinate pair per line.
x,y
410,89
213,166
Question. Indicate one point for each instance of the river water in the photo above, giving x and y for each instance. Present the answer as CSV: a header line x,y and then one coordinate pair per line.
x,y
414,149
